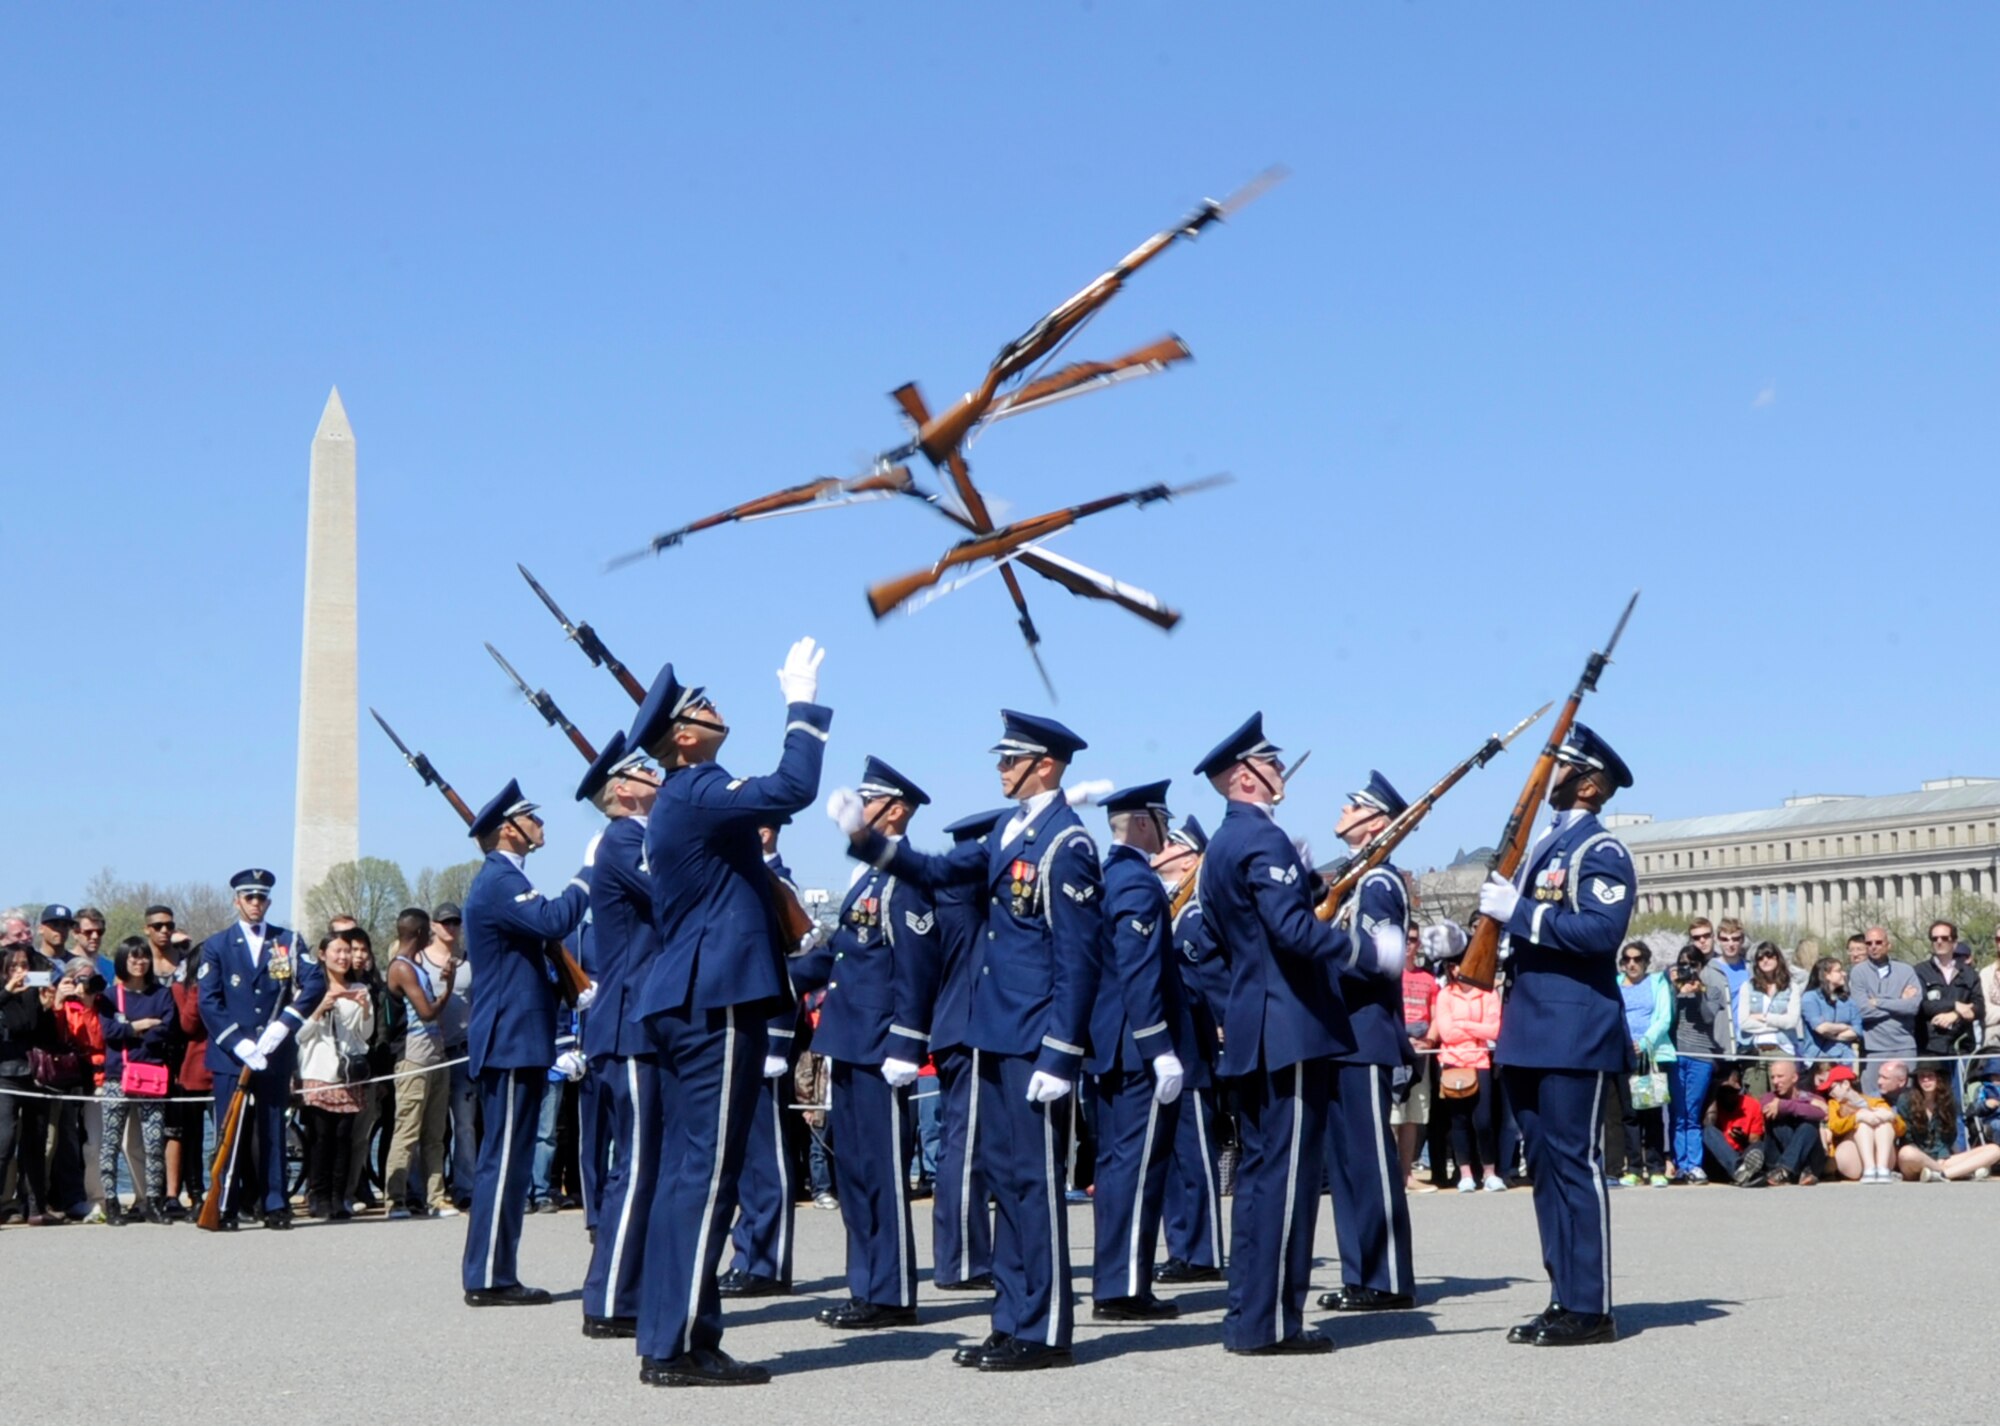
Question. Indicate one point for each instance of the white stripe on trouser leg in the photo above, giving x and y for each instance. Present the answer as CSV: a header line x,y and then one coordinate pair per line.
x,y
632,1139
1056,1285
965,1178
1291,1197
905,1269
784,1175
707,1222
1211,1190
1597,1182
1382,1163
499,1193
1133,1287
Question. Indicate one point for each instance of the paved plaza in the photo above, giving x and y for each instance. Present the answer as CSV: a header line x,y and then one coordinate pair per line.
x,y
1739,1307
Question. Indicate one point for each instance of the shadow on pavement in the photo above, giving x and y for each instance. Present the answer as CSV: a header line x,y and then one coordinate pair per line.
x,y
1637,1317
1446,1287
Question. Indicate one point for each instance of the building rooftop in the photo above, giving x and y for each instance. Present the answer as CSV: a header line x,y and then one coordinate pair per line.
x,y
1943,797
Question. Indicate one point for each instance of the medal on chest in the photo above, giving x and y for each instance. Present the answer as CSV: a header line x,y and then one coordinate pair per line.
x,y
1549,884
864,912
281,963
1021,887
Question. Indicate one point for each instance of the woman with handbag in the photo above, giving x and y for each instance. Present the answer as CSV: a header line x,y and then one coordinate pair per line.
x,y
1649,1021
1466,1021
24,1119
333,1060
138,1020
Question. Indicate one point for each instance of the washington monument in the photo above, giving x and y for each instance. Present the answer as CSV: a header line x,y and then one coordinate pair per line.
x,y
326,828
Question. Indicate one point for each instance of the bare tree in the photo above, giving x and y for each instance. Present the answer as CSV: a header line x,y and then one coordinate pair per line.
x,y
450,884
373,891
200,908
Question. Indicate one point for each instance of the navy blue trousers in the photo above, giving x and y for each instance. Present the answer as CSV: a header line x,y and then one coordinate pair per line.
x,y
627,1092
510,1103
1022,1147
961,1222
1135,1136
1281,1115
1561,1113
871,1142
595,1137
710,1064
763,1231
257,1167
1191,1208
1371,1213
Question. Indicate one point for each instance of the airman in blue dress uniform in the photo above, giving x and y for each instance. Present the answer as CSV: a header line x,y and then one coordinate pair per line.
x,y
717,978
622,784
512,933
1036,980
1141,1039
880,973
256,984
1562,1033
1371,1212
1191,1210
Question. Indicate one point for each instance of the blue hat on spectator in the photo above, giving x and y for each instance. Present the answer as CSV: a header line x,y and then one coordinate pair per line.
x,y
252,879
57,914
616,758
1380,795
667,701
1190,835
1583,748
878,779
968,829
1246,742
1140,797
510,803
1029,735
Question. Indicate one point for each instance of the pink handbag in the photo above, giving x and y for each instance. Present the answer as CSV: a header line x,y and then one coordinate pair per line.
x,y
141,1081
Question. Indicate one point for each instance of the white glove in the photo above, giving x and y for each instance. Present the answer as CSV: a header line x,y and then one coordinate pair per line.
x,y
808,940
1167,1077
590,852
1045,1088
1087,793
273,1036
774,1065
570,1064
587,997
253,1058
1442,942
798,680
1305,851
1498,898
843,805
899,1073
1389,948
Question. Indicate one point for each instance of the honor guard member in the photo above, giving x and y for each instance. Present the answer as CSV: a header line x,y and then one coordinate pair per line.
x,y
961,1221
1035,978
1191,1208
762,1237
717,978
1141,1039
880,974
256,985
1371,1214
1282,1022
512,936
621,784
1562,1035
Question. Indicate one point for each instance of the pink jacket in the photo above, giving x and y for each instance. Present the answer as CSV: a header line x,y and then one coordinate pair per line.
x,y
1465,1020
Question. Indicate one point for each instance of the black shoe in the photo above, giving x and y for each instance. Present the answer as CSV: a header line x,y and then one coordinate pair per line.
x,y
737,1283
281,1221
1750,1168
973,1356
229,1223
515,1296
1524,1335
152,1211
1366,1299
1014,1355
978,1282
1307,1343
542,1205
856,1315
114,1212
462,1202
701,1368
1578,1329
1178,1270
1134,1309
601,1329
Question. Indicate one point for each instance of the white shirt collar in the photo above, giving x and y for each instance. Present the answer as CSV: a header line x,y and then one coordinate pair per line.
x,y
520,862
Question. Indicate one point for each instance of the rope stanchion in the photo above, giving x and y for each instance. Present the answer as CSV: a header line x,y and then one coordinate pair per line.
x,y
52,1098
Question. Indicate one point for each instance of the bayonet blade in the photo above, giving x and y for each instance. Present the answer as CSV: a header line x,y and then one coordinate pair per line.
x,y
1623,619
1508,737
401,746
519,682
553,607
1287,776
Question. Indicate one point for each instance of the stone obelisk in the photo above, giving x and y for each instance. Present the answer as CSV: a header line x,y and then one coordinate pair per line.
x,y
327,823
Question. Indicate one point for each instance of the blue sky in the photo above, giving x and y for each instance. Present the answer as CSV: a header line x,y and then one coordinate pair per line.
x,y
1559,301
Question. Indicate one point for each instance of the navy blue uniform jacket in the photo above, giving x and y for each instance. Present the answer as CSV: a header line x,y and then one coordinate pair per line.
x,y
880,970
511,933
238,999
1375,1001
1141,1009
622,940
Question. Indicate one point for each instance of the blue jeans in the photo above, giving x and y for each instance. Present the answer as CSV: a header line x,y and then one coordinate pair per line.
x,y
548,1129
1690,1097
925,1095
464,1127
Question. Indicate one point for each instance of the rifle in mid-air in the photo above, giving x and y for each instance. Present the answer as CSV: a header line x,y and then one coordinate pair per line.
x,y
828,493
1482,952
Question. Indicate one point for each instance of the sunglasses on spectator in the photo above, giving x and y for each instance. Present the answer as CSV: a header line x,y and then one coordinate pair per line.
x,y
1944,938
1633,960
159,925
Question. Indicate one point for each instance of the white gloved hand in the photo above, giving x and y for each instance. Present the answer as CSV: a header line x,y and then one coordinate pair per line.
x,y
1498,898
808,941
246,1050
843,805
273,1036
1389,949
1442,942
1167,1078
799,678
570,1064
899,1073
774,1065
1087,793
587,997
1045,1088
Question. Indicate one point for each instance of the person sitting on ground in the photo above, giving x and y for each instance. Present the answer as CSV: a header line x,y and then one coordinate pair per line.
x,y
138,1020
1793,1119
1861,1127
1982,1102
1733,1128
1934,1148
1466,1021
1829,1021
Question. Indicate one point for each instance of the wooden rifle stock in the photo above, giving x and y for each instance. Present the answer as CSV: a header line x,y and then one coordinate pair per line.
x,y
1184,893
226,1133
1482,952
